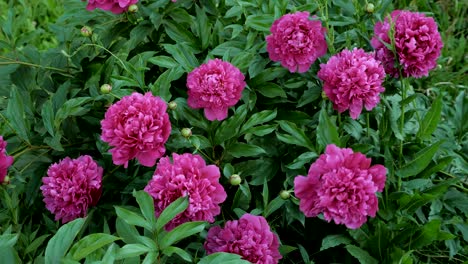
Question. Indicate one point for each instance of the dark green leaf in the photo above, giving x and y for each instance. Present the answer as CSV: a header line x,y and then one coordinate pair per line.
x,y
229,128
238,150
333,241
131,217
131,250
180,232
260,22
16,114
163,61
426,234
182,253
258,118
273,205
184,55
47,114
362,256
430,121
89,244
327,132
146,203
271,90
175,208
295,135
419,162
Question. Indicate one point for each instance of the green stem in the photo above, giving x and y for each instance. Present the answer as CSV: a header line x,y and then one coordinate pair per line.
x,y
12,61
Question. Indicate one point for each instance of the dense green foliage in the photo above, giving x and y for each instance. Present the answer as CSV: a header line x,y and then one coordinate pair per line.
x,y
51,107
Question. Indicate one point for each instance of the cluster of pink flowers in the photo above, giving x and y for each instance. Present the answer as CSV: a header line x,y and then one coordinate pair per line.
x,y
353,80
187,175
417,43
249,237
5,161
71,186
296,41
137,126
115,6
215,86
342,185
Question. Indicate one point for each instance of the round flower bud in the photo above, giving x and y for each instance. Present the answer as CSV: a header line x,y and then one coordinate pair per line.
x,y
285,194
6,180
133,8
86,31
235,179
172,105
106,88
186,132
370,8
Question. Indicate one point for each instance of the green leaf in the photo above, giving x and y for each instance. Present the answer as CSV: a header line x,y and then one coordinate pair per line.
x,y
36,243
333,241
8,240
426,234
175,208
72,107
16,114
420,161
273,205
58,245
47,114
127,232
146,203
327,132
131,217
180,252
180,232
258,118
223,257
271,90
183,54
260,22
430,121
362,256
261,130
163,61
203,27
295,135
300,161
238,150
132,250
89,244
229,128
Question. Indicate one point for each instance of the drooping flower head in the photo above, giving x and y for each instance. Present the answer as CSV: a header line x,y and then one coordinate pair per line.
x,y
296,41
115,6
71,187
215,86
249,237
352,80
5,161
137,126
187,175
417,43
342,185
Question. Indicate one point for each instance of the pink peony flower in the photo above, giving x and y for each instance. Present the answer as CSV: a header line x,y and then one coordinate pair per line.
x,y
342,185
249,237
71,186
5,161
296,41
417,43
352,80
215,86
137,126
187,175
115,6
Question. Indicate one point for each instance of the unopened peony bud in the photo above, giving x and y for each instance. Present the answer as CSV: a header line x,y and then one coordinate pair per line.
x,y
186,132
106,88
6,180
86,31
235,179
172,105
370,8
285,194
324,95
133,9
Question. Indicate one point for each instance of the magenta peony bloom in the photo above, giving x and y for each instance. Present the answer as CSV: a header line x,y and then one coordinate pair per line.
x,y
115,6
296,41
417,43
249,237
187,175
137,126
5,161
352,80
215,86
71,186
342,185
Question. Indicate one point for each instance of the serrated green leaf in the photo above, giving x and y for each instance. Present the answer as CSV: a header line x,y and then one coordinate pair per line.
x,y
420,161
60,243
175,208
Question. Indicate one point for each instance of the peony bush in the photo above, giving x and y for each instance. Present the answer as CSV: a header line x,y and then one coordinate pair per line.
x,y
212,131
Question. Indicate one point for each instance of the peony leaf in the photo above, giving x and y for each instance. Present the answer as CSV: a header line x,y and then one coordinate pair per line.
x,y
273,205
229,128
131,250
420,162
327,132
132,218
430,121
62,240
333,241
362,256
175,208
89,244
163,61
257,119
260,22
295,135
180,232
16,114
180,252
238,150
271,90
146,203
183,54
223,257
